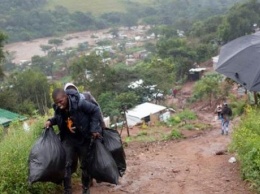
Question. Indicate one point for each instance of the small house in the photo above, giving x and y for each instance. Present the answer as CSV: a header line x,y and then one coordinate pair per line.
x,y
196,73
146,112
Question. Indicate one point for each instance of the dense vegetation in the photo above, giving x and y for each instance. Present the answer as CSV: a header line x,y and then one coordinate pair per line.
x,y
15,148
171,58
30,19
246,142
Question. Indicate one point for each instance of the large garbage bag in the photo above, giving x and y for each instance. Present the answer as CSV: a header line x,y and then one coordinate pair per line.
x,y
101,165
47,159
74,165
113,143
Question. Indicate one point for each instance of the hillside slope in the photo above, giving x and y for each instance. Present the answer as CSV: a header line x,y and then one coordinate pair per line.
x,y
189,166
94,6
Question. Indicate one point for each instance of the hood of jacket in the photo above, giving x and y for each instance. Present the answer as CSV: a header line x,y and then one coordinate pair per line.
x,y
70,85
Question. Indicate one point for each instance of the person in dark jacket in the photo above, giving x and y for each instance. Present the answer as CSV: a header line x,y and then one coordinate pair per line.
x,y
78,122
226,113
88,97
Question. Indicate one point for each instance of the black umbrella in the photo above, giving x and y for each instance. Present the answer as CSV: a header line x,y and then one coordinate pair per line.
x,y
240,61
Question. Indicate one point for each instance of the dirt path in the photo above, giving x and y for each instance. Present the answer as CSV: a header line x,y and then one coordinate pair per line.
x,y
189,166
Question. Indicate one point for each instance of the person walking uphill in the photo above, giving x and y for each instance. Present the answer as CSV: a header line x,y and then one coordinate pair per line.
x,y
78,122
226,113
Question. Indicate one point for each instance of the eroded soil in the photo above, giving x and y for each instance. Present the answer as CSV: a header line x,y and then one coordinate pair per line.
x,y
188,166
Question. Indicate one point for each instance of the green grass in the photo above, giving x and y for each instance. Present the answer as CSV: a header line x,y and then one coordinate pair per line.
x,y
246,143
185,115
94,6
15,147
174,134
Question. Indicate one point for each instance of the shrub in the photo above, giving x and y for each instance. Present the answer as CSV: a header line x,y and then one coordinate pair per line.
x,y
189,126
187,115
246,142
237,106
15,147
142,133
208,87
174,120
175,134
181,116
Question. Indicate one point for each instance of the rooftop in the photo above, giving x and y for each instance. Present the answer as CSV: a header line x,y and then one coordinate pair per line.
x,y
7,116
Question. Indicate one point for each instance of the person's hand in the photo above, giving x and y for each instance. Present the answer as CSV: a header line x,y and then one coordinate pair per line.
x,y
47,124
96,135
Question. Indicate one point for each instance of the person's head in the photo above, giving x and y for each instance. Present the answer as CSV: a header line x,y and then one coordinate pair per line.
x,y
225,104
60,98
70,86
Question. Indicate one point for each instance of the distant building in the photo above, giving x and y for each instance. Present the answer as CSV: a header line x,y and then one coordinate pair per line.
x,y
100,50
196,73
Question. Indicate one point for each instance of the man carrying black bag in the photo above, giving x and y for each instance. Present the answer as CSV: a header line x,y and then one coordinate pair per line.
x,y
78,122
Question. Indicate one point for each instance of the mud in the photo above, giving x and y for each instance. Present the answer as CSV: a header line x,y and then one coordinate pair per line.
x,y
188,166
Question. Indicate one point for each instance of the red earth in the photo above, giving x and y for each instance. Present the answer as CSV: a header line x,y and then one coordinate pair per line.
x,y
197,164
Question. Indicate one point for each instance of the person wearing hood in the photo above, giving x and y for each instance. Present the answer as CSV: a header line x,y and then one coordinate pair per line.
x,y
78,123
88,97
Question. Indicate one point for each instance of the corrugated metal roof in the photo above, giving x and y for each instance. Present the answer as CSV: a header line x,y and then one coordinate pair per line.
x,y
144,110
7,116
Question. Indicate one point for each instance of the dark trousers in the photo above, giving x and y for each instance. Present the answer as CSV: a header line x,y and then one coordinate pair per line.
x,y
75,152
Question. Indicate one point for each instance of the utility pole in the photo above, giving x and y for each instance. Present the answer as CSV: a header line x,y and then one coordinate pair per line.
x,y
124,107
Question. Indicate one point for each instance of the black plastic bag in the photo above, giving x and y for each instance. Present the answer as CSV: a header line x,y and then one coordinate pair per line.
x,y
113,143
47,159
101,165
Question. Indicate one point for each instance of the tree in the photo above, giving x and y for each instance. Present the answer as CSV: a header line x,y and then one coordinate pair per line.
x,y
46,48
56,42
31,87
112,103
129,20
208,87
82,18
127,99
181,52
8,100
114,32
42,64
2,39
98,77
108,105
158,77
239,21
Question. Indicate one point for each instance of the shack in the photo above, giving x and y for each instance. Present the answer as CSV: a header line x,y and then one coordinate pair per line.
x,y
196,73
6,117
146,112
